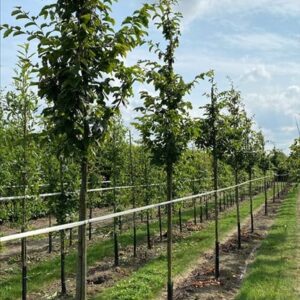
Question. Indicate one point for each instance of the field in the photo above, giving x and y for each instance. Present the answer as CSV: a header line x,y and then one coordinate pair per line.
x,y
143,157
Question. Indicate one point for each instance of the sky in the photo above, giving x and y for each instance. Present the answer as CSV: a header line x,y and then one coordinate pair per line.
x,y
255,43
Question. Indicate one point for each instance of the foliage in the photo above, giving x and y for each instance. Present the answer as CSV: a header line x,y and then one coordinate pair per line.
x,y
165,123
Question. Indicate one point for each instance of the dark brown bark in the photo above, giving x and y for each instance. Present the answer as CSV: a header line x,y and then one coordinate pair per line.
x,y
81,261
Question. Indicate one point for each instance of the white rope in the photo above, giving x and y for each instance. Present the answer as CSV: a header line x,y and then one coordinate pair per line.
x,y
45,195
118,214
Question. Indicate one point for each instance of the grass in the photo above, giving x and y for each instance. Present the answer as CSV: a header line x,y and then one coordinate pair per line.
x,y
273,274
150,279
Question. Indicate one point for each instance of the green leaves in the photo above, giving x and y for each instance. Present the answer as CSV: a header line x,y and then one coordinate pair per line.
x,y
165,123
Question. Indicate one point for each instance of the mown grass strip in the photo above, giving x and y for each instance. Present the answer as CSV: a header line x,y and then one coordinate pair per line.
x,y
273,274
149,280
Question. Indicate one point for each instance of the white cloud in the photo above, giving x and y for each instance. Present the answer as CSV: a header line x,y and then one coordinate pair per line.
x,y
196,9
264,41
256,73
286,102
288,128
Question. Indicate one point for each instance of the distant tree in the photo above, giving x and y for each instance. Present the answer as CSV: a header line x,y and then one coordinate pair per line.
x,y
253,150
294,161
236,152
264,165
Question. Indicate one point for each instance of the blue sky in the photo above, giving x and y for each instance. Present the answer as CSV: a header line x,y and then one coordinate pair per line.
x,y
254,42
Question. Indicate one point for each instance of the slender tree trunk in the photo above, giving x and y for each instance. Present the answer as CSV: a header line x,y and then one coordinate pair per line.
x,y
195,211
62,265
90,224
114,179
251,200
159,222
147,203
81,260
116,242
133,198
266,195
201,210
206,207
148,230
274,191
217,243
180,219
169,216
24,255
237,208
71,237
50,234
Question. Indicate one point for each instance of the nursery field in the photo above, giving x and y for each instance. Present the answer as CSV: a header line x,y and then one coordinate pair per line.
x,y
122,180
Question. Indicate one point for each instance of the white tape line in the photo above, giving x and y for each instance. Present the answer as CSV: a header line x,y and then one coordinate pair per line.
x,y
118,214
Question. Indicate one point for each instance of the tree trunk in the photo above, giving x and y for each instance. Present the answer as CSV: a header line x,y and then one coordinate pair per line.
x,y
180,219
90,225
116,242
148,230
133,195
195,212
217,243
266,195
201,210
81,260
159,222
24,244
169,233
274,191
71,237
251,201
237,208
62,264
50,234
206,208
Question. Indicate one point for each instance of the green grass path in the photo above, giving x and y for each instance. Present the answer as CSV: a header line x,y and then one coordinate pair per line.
x,y
273,274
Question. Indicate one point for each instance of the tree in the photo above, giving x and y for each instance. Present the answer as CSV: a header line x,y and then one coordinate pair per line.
x,y
294,161
237,130
21,106
81,57
264,164
253,154
211,138
165,124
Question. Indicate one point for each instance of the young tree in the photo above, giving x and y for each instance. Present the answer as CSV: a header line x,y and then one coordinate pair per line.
x,y
264,164
212,138
165,124
81,57
253,153
237,129
294,161
21,106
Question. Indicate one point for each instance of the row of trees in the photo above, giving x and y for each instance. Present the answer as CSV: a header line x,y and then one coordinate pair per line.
x,y
83,81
